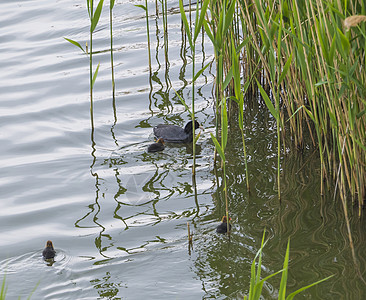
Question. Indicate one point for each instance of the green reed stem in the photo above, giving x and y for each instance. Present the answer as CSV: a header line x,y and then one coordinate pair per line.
x,y
148,33
146,9
192,38
224,137
91,2
94,19
239,98
193,112
111,5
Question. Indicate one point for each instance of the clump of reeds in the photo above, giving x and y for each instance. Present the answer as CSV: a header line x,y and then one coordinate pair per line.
x,y
256,283
308,62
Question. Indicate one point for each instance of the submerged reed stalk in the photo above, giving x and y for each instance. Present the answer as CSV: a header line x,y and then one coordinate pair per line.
x,y
190,237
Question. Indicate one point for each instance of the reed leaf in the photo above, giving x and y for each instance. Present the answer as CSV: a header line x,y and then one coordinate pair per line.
x,y
229,17
259,255
184,103
360,114
294,114
283,284
88,6
141,6
96,16
228,78
198,74
259,285
75,43
224,124
4,288
255,276
185,22
321,39
345,44
285,69
198,24
95,75
243,44
218,147
332,51
209,33
292,295
235,69
197,137
268,102
34,289
252,280
360,144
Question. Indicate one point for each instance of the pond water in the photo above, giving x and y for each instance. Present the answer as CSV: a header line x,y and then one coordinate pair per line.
x,y
118,215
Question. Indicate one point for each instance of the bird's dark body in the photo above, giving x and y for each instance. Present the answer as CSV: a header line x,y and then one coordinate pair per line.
x,y
222,228
156,147
175,134
49,252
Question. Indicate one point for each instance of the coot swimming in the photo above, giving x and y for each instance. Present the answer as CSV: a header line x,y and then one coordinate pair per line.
x,y
49,252
222,228
158,146
176,134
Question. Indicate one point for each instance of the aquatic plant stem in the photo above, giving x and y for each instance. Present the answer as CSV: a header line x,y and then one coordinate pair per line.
x,y
111,5
193,115
239,98
192,37
245,160
148,34
91,67
226,201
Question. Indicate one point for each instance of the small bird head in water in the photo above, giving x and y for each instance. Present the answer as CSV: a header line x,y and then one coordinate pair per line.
x,y
222,228
49,252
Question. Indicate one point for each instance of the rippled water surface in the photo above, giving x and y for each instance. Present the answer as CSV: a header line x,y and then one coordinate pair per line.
x,y
118,215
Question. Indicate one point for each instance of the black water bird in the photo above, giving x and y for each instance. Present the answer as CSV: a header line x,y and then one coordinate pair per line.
x,y
222,228
158,146
176,134
49,252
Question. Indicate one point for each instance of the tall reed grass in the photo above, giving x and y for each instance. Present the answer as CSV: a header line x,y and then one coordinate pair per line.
x,y
308,62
